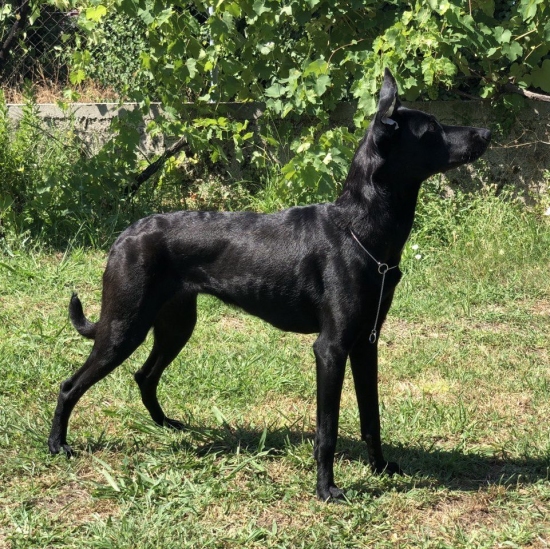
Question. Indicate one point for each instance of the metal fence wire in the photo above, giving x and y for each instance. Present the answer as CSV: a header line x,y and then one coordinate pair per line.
x,y
35,44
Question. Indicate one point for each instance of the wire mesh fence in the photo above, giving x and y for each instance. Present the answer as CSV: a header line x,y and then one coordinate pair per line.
x,y
35,45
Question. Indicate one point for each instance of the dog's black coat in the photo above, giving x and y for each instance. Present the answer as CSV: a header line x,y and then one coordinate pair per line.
x,y
300,269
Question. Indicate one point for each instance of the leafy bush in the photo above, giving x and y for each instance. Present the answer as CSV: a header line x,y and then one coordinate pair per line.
x,y
51,187
113,57
305,57
35,167
302,58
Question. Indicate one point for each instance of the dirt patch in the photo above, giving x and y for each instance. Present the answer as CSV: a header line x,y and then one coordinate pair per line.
x,y
280,514
466,511
4,543
285,517
430,386
541,308
76,502
233,323
445,514
279,411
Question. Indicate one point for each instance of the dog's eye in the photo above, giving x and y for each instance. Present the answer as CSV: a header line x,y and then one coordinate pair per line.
x,y
431,129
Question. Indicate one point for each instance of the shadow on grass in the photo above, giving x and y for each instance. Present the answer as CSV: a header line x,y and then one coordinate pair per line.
x,y
453,468
469,471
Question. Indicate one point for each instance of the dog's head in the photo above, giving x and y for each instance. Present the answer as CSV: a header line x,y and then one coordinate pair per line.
x,y
412,144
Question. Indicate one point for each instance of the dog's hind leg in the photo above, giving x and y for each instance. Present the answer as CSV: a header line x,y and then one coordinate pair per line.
x,y
172,329
111,348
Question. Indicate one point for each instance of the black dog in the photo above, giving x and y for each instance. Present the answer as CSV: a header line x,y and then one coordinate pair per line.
x,y
328,268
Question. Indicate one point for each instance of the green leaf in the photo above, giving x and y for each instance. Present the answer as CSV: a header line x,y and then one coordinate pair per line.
x,y
286,10
77,77
517,70
267,48
541,76
34,15
191,65
234,9
487,6
275,105
259,7
468,22
316,68
146,61
529,8
322,83
276,90
502,35
96,13
512,51
164,16
146,16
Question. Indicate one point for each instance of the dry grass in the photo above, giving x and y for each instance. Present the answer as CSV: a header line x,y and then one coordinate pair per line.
x,y
49,92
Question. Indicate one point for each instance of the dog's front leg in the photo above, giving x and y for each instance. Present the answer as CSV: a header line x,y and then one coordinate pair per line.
x,y
331,362
364,365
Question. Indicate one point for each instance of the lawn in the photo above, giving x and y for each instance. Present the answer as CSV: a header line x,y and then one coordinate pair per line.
x,y
465,397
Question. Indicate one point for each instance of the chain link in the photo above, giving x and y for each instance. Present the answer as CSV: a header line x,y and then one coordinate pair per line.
x,y
42,48
383,268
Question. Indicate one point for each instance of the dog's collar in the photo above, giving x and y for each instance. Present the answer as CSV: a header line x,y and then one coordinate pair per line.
x,y
383,268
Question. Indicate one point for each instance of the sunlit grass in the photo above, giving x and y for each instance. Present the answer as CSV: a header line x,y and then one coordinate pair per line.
x,y
465,392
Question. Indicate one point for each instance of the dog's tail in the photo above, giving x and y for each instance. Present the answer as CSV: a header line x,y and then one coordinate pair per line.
x,y
82,325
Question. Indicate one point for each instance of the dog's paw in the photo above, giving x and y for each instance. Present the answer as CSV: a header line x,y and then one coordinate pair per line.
x,y
58,448
174,424
330,494
387,467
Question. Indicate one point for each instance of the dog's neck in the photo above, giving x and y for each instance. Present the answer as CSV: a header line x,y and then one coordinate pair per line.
x,y
378,211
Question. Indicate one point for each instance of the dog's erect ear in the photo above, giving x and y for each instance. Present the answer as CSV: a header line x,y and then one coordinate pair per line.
x,y
389,101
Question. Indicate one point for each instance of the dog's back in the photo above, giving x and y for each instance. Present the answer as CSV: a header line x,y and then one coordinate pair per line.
x,y
271,265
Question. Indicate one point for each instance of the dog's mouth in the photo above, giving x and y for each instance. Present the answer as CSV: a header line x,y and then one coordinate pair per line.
x,y
478,145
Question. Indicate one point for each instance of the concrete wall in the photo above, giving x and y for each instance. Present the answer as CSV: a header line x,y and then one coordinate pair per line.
x,y
92,121
521,158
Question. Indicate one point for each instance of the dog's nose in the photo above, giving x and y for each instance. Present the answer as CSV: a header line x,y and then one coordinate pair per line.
x,y
485,134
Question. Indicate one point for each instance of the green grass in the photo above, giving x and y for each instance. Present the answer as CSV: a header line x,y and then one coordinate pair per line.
x,y
465,390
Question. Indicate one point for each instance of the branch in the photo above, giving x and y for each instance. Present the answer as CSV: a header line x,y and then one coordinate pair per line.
x,y
469,95
512,88
20,22
132,188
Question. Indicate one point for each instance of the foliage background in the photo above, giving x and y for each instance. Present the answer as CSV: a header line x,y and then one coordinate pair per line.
x,y
302,58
